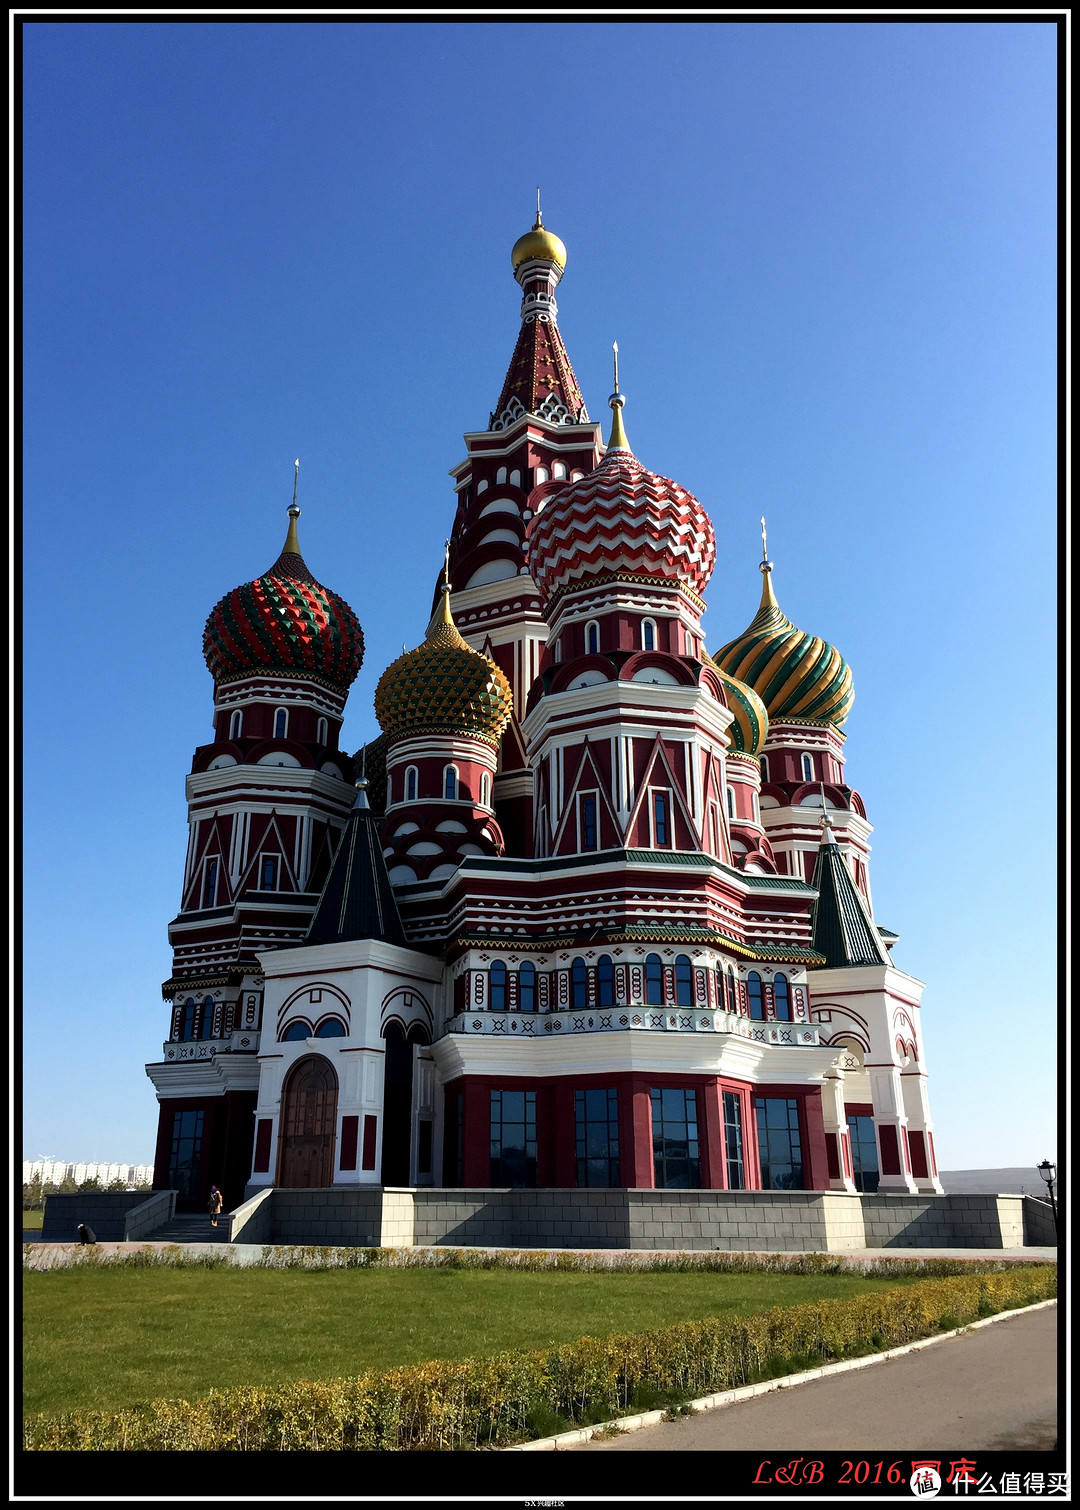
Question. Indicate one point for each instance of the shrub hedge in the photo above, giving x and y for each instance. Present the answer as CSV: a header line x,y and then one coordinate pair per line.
x,y
45,1257
488,1402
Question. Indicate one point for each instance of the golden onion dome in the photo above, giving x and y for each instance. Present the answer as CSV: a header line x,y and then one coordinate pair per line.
x,y
799,677
538,243
750,727
443,687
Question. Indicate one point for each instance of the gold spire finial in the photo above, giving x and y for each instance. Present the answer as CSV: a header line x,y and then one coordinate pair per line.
x,y
768,597
292,540
617,440
442,630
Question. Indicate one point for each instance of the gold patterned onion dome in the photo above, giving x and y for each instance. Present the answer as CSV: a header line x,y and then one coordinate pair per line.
x,y
538,243
284,620
443,687
798,676
751,725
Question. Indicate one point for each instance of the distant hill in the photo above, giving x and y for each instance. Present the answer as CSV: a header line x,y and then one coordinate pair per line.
x,y
1022,1181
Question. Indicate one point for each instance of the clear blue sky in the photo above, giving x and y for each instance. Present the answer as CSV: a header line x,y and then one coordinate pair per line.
x,y
827,252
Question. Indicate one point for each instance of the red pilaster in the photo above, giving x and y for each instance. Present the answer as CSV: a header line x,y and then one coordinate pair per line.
x,y
639,1175
477,1171
565,1136
815,1155
711,1137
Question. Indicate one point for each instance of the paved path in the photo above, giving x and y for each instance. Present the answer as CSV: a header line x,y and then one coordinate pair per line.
x,y
986,1390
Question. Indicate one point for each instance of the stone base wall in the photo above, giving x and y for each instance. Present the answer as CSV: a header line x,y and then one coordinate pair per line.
x,y
769,1221
104,1212
1039,1228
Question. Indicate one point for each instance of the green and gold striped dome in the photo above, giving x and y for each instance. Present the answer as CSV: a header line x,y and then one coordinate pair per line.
x,y
747,733
443,687
799,678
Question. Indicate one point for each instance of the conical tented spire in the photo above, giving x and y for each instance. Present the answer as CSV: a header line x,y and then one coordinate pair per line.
x,y
357,901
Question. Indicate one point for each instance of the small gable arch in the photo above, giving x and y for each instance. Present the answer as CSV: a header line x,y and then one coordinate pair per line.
x,y
408,1006
315,1000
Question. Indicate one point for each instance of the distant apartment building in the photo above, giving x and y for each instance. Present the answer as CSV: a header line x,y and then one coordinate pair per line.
x,y
53,1171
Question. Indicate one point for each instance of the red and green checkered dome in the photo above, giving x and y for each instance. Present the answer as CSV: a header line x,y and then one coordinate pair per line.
x,y
286,621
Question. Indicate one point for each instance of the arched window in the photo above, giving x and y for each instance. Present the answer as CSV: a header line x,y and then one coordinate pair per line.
x,y
527,987
559,469
450,783
715,826
764,759
605,981
541,474
187,1026
588,821
592,638
331,1027
485,789
497,987
322,732
481,486
654,981
783,998
500,475
281,723
807,768
731,802
721,989
206,1019
578,984
733,989
684,991
558,650
236,724
648,634
210,876
515,478
753,990
297,1031
576,476
411,779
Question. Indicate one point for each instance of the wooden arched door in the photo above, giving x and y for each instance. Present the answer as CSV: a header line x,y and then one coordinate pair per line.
x,y
308,1121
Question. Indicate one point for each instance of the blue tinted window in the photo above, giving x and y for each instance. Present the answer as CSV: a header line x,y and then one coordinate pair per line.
x,y
332,1027
295,1031
864,1157
596,1125
654,981
683,981
578,984
497,986
513,1138
783,998
779,1142
605,980
753,990
676,1156
527,987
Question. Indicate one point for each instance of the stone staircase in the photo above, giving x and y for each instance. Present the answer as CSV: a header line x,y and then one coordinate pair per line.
x,y
191,1228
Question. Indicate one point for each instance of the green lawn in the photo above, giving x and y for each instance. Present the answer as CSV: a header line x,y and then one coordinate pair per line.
x,y
102,1339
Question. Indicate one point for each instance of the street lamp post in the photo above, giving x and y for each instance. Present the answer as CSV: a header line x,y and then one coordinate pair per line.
x,y
1048,1171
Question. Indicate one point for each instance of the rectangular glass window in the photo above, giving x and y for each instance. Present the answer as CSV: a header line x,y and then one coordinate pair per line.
x,y
184,1152
513,1138
733,1140
588,822
268,873
660,820
210,884
779,1142
596,1122
864,1153
676,1158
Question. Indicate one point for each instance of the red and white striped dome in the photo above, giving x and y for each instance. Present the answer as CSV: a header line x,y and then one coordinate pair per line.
x,y
620,520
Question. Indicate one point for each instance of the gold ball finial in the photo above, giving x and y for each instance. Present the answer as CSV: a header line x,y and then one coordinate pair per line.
x,y
538,245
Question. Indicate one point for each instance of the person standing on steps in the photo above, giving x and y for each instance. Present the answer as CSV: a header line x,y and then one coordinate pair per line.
x,y
215,1205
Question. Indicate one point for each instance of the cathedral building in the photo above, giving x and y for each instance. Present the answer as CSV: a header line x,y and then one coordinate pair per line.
x,y
594,910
